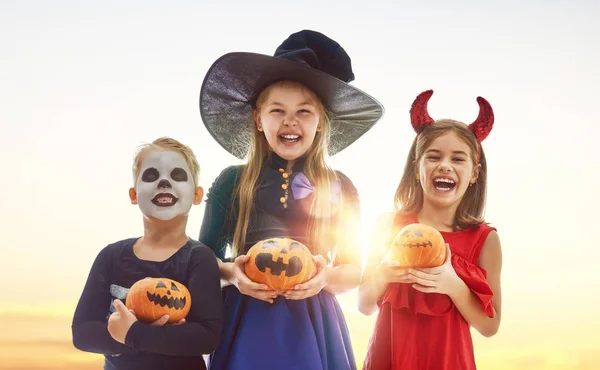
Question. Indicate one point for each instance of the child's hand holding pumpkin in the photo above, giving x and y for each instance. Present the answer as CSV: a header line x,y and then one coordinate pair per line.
x,y
247,286
442,279
120,321
314,285
389,271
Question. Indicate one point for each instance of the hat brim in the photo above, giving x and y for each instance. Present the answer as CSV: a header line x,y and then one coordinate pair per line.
x,y
230,85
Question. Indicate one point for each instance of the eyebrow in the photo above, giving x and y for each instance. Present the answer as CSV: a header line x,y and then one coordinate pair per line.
x,y
281,104
453,152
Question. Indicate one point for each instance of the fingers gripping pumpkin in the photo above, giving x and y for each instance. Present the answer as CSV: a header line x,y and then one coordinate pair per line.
x,y
280,263
419,245
152,298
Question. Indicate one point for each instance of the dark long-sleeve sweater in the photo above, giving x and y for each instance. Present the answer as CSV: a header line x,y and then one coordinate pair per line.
x,y
115,269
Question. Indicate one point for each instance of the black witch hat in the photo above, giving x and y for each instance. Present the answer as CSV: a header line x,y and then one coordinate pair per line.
x,y
234,81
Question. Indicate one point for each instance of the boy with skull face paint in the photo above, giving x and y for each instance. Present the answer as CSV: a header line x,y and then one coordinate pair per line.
x,y
165,177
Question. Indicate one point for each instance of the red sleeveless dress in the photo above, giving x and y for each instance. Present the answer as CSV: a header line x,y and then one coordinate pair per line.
x,y
425,331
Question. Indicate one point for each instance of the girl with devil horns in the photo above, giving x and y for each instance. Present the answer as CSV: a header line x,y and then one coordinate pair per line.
x,y
284,114
425,314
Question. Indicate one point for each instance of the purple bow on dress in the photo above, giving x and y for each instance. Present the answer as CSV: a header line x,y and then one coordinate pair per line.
x,y
302,188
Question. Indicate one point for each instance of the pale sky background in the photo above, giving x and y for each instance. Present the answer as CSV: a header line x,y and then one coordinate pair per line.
x,y
82,85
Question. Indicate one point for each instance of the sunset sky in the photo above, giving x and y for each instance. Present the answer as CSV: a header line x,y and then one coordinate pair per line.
x,y
82,85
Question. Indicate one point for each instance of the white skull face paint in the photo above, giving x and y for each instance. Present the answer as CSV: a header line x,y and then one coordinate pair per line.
x,y
165,187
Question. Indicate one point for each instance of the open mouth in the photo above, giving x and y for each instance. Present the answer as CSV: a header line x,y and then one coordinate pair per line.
x,y
164,200
443,184
290,138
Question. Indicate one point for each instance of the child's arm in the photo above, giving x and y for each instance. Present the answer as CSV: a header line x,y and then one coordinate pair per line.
x,y
89,327
468,304
342,278
346,275
445,280
200,333
216,223
379,272
214,229
214,234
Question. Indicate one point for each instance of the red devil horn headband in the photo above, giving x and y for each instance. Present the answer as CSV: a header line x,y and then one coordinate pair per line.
x,y
481,127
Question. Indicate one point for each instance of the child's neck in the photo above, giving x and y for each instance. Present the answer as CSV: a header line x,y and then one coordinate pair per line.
x,y
290,165
439,218
165,234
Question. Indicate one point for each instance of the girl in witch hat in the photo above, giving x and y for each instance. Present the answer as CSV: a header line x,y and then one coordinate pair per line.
x,y
425,314
285,114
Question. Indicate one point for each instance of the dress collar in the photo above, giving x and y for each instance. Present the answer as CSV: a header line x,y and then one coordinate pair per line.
x,y
276,162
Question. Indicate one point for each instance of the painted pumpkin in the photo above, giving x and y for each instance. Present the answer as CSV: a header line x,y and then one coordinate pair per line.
x,y
419,245
280,263
152,298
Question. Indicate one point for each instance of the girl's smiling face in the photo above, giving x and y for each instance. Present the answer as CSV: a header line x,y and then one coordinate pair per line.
x,y
289,118
446,170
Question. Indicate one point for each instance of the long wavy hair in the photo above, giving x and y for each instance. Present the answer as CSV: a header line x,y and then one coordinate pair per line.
x,y
315,169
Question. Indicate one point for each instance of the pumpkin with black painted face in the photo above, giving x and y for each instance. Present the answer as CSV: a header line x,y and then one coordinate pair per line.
x,y
280,263
152,298
419,245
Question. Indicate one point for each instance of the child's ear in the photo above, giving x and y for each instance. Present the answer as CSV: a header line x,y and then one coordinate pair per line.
x,y
416,170
475,175
133,195
257,122
198,194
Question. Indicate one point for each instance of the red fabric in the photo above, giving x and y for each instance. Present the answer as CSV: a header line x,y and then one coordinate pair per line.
x,y
425,331
419,117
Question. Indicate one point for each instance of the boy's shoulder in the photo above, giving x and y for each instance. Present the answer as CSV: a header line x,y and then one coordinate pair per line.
x,y
199,247
193,252
114,251
199,253
118,247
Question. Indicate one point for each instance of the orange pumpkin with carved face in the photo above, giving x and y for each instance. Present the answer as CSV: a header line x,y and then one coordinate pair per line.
x,y
152,298
419,245
280,263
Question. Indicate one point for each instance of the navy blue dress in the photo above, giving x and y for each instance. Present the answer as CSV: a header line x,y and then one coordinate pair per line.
x,y
288,334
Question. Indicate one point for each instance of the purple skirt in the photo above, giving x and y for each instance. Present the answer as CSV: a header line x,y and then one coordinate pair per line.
x,y
303,334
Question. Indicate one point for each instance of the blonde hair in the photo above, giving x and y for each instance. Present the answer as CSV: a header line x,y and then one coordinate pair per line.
x,y
166,143
315,168
409,195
